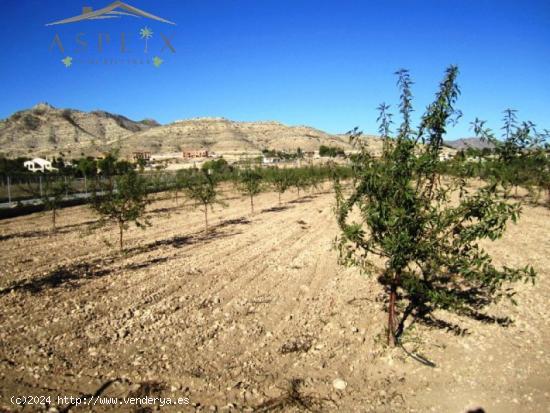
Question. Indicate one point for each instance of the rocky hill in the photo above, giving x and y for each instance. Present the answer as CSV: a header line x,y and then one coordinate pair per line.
x,y
465,143
223,135
45,130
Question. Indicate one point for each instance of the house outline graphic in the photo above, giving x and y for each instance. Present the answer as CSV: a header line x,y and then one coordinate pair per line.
x,y
110,12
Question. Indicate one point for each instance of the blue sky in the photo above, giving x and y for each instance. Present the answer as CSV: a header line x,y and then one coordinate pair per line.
x,y
326,64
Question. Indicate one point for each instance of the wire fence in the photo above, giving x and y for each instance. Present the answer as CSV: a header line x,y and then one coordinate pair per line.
x,y
25,189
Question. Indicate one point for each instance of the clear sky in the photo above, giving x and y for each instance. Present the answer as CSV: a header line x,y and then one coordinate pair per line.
x,y
326,64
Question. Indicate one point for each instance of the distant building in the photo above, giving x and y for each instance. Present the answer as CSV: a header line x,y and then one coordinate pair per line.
x,y
267,160
201,153
142,155
39,164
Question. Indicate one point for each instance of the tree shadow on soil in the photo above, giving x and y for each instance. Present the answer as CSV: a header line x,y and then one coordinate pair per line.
x,y
145,264
179,241
65,229
303,200
423,315
71,276
234,221
275,209
66,276
294,397
165,209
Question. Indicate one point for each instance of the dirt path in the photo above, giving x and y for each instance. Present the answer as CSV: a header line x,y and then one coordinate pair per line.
x,y
232,318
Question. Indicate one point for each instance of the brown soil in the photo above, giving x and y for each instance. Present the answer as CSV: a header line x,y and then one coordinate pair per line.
x,y
256,314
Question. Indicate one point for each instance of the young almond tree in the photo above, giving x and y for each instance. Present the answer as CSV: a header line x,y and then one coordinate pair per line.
x,y
314,178
179,183
519,157
52,192
250,184
299,180
202,187
122,200
424,226
281,181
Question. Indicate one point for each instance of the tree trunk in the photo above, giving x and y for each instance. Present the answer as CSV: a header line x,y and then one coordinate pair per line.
x,y
205,218
54,213
121,229
252,203
279,199
391,315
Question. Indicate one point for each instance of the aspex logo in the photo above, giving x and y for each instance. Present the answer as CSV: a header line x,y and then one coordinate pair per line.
x,y
142,46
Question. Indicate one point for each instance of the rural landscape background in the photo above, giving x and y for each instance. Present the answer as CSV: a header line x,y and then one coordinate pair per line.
x,y
275,207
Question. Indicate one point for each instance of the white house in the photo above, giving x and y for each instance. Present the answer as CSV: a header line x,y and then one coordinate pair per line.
x,y
269,160
39,164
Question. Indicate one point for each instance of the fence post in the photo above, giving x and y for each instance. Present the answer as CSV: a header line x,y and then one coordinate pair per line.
x,y
9,192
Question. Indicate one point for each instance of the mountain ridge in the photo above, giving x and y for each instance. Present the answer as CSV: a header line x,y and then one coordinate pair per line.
x,y
472,142
44,130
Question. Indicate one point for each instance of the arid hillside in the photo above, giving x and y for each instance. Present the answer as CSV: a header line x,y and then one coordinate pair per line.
x,y
465,143
222,135
44,131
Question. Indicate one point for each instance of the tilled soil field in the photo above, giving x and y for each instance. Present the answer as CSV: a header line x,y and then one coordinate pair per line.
x,y
255,315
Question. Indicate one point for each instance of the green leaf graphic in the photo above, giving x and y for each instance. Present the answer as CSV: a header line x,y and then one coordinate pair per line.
x,y
68,61
157,61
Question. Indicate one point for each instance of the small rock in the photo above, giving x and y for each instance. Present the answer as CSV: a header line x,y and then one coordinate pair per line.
x,y
339,384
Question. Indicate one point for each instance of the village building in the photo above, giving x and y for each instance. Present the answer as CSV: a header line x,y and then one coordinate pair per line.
x,y
39,165
200,153
142,155
267,160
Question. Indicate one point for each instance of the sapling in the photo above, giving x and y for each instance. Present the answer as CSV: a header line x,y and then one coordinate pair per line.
x,y
425,227
314,178
299,180
281,181
121,200
250,184
519,157
53,190
179,183
202,187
